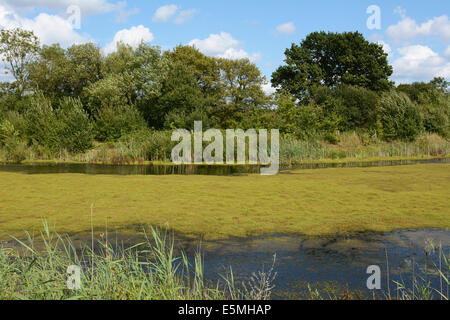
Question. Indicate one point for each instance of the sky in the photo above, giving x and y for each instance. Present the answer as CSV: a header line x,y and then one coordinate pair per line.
x,y
415,34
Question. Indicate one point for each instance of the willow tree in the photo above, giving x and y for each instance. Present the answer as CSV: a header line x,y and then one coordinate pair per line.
x,y
18,48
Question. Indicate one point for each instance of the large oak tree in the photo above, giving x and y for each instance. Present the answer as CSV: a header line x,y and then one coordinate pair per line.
x,y
330,59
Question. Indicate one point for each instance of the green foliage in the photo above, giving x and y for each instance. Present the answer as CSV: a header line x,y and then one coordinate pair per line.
x,y
75,128
434,103
17,48
332,83
330,59
436,118
61,72
113,123
66,128
305,122
242,91
356,106
149,145
150,270
399,117
180,97
113,91
185,120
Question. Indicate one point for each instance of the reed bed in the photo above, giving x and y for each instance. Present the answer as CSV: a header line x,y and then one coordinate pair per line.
x,y
37,270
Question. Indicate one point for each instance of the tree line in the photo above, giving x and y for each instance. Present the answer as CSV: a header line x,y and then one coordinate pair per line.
x,y
68,98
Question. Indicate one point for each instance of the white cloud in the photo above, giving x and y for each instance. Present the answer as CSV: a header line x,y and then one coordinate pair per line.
x,y
447,53
237,54
223,45
216,44
164,13
49,28
408,28
287,28
133,37
420,63
268,89
386,47
185,15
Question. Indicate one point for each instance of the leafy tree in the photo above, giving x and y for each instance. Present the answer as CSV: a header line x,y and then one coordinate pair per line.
x,y
18,48
114,91
399,117
242,91
205,70
142,72
65,127
434,104
113,123
305,122
180,95
330,59
85,66
65,73
356,106
48,72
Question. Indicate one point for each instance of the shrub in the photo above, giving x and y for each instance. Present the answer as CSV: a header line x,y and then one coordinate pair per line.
x,y
75,131
113,123
306,122
15,149
67,127
436,118
149,145
399,117
355,106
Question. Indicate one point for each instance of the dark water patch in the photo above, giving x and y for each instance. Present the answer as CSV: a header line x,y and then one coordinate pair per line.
x,y
80,168
324,262
216,170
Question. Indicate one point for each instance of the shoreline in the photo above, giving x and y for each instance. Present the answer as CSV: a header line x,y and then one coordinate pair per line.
x,y
283,165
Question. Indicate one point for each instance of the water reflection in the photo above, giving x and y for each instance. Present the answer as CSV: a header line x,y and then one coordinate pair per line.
x,y
217,170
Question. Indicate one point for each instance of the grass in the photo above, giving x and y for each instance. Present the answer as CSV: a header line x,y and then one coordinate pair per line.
x,y
310,202
146,271
155,147
152,271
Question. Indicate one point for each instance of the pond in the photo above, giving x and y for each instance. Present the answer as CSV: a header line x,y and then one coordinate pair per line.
x,y
299,259
217,170
337,261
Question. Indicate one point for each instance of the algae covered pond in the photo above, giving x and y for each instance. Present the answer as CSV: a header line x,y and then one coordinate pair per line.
x,y
325,226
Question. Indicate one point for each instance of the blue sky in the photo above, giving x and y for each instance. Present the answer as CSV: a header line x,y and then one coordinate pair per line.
x,y
416,34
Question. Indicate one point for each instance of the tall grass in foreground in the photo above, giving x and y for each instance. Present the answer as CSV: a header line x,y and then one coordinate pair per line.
x,y
145,271
151,271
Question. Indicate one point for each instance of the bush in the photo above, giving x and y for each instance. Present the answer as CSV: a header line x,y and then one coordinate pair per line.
x,y
67,127
306,122
355,106
113,123
149,145
436,118
399,117
15,149
76,130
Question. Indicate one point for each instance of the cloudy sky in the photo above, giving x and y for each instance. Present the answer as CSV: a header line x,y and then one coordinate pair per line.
x,y
416,34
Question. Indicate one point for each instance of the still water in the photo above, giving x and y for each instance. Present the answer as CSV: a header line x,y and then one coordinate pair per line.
x,y
337,261
217,170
